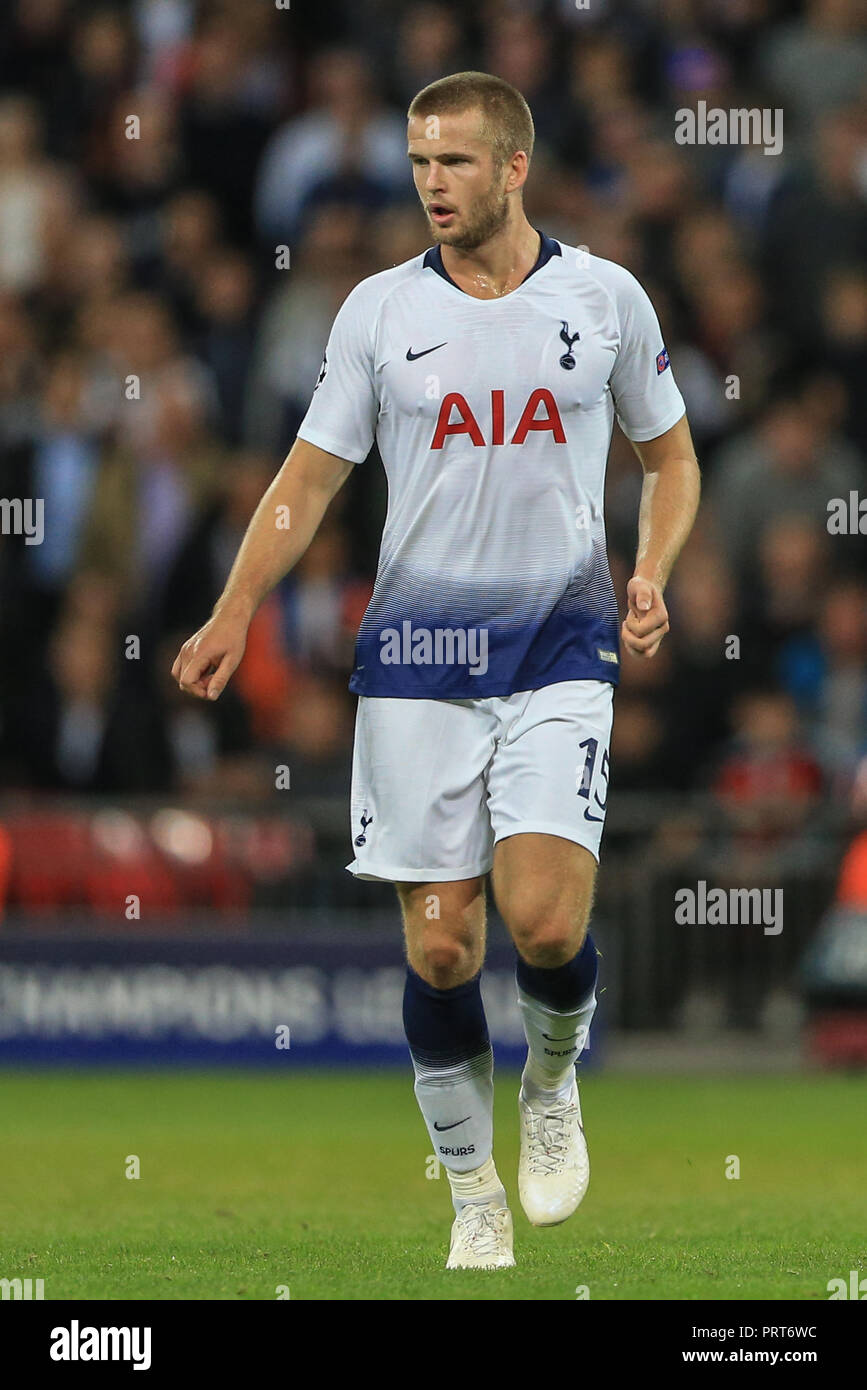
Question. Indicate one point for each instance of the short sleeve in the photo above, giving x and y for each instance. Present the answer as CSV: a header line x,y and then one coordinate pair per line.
x,y
646,397
342,415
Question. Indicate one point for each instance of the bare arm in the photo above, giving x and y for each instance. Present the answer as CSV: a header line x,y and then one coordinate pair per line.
x,y
669,502
280,531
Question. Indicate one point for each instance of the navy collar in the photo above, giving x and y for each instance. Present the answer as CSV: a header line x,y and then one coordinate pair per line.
x,y
548,248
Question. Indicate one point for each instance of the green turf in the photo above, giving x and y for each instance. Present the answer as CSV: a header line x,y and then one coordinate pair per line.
x,y
317,1182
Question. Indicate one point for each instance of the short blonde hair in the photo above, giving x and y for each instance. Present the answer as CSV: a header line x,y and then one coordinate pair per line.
x,y
506,120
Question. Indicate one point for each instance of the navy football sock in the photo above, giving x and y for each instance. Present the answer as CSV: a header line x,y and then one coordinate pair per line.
x,y
562,987
454,1075
557,1007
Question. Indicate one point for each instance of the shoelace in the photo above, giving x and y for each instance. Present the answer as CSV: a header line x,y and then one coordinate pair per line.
x,y
483,1229
547,1139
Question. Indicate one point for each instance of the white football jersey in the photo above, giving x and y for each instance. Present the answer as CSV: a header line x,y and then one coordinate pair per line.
x,y
493,419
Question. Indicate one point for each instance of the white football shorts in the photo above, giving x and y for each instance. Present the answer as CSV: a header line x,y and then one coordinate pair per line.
x,y
437,783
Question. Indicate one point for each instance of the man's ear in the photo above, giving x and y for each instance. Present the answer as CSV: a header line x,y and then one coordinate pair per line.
x,y
518,167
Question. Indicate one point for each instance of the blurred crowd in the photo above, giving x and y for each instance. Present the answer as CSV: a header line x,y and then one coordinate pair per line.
x,y
189,189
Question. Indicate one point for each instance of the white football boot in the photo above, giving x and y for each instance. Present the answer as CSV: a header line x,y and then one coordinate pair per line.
x,y
554,1167
481,1238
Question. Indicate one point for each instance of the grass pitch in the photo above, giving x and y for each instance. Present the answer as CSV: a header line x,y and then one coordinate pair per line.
x,y
316,1183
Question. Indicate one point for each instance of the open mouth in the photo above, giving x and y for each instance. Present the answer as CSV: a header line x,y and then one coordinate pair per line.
x,y
439,213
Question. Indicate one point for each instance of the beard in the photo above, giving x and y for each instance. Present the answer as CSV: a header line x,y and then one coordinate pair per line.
x,y
484,219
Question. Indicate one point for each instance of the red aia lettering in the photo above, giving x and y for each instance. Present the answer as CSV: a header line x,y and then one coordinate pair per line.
x,y
550,421
468,424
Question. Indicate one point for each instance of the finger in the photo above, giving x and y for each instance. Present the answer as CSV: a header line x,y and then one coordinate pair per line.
x,y
193,672
640,594
652,650
198,688
641,653
644,639
640,645
220,679
644,646
643,627
647,623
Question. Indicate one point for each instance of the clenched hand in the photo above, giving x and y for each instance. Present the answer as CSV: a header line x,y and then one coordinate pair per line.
x,y
646,623
206,662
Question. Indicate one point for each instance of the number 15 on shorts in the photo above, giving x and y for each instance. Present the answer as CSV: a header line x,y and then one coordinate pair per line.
x,y
592,779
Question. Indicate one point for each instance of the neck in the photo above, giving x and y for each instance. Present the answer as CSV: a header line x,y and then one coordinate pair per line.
x,y
499,265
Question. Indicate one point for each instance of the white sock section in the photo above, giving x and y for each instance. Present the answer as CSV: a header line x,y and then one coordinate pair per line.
x,y
457,1102
555,1041
479,1185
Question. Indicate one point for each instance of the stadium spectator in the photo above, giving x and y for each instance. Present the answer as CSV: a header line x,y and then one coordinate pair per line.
x,y
769,783
348,141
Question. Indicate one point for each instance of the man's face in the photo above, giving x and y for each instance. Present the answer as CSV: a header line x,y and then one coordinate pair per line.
x,y
462,191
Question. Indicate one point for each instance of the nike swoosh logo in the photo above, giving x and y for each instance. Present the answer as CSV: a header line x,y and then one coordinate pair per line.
x,y
550,1039
440,1128
411,357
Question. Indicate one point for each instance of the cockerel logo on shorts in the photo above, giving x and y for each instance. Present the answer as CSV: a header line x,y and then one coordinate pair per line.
x,y
365,822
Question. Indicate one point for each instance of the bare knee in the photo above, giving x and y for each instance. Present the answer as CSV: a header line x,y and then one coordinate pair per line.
x,y
544,890
444,960
444,926
549,938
